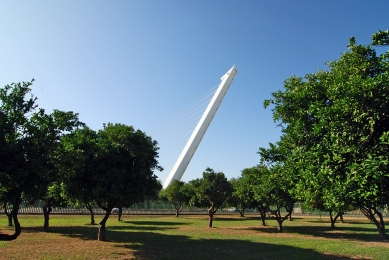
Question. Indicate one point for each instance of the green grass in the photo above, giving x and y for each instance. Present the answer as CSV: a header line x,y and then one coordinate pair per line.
x,y
188,237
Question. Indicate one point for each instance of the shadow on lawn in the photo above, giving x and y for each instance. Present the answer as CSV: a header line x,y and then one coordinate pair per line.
x,y
236,218
350,233
91,232
82,232
152,245
154,223
159,246
351,222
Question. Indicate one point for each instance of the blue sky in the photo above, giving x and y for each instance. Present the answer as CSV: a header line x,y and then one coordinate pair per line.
x,y
140,62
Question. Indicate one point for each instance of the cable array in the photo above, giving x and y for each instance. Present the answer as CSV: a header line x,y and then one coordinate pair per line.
x,y
173,133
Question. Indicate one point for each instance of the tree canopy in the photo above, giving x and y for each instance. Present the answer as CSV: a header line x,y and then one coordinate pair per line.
x,y
211,191
178,192
29,138
115,167
336,124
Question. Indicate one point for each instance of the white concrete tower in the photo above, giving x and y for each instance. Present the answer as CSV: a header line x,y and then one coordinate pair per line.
x,y
202,126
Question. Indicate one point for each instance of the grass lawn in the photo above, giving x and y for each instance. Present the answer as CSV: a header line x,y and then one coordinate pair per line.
x,y
188,237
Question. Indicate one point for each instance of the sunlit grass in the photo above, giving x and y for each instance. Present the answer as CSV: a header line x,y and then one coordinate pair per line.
x,y
188,237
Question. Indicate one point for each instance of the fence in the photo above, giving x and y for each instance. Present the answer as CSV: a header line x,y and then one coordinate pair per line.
x,y
154,207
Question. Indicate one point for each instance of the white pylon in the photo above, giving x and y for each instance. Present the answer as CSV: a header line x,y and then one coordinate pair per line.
x,y
202,126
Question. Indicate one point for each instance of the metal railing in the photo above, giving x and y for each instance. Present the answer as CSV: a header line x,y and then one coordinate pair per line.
x,y
154,207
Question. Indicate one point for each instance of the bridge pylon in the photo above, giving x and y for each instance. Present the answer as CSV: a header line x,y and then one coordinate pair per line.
x,y
190,148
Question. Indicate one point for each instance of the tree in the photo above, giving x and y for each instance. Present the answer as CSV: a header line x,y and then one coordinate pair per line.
x,y
338,122
253,177
242,196
55,197
280,155
178,194
277,186
117,167
211,191
78,157
7,212
28,139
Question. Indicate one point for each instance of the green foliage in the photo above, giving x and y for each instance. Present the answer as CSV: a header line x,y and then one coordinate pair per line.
x,y
29,138
242,196
179,193
380,38
335,125
78,152
113,167
212,190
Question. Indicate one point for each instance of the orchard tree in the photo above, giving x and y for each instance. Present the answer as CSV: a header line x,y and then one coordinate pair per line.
x,y
78,158
254,177
54,197
279,155
242,196
28,140
211,191
8,212
338,122
117,167
278,188
177,193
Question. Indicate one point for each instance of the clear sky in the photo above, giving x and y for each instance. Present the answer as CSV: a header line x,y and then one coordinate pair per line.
x,y
140,62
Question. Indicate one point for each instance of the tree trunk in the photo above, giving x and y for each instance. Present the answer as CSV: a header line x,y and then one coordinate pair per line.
x,y
92,215
289,209
9,215
46,215
279,226
178,208
279,218
211,212
101,235
120,213
210,220
333,220
18,230
369,212
341,217
263,217
240,210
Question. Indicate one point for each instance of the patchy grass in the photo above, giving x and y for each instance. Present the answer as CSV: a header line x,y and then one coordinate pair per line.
x,y
188,237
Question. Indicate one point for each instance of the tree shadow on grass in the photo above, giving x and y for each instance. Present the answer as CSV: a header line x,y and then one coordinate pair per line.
x,y
346,221
141,228
91,232
159,246
236,218
348,233
82,232
151,245
144,244
154,223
